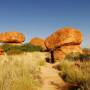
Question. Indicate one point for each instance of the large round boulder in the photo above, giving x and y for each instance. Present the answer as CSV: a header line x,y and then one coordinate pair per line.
x,y
64,36
38,42
12,37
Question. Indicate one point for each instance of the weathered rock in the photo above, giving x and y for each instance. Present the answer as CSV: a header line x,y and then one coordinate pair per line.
x,y
1,51
61,52
64,36
70,49
38,42
12,37
59,55
14,44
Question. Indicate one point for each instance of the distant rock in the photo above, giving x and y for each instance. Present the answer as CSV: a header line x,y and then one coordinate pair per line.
x,y
64,36
12,37
38,42
59,55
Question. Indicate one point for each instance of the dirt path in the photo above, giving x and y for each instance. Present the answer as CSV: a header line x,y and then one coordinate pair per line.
x,y
51,78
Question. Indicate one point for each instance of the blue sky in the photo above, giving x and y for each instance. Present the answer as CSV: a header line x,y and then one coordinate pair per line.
x,y
39,18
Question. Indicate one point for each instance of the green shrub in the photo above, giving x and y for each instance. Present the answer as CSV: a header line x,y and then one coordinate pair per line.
x,y
29,48
73,56
18,49
77,56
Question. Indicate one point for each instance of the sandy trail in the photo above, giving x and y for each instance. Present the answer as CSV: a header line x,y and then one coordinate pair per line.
x,y
51,78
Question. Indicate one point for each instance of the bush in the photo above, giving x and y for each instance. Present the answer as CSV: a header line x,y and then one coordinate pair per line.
x,y
77,56
30,48
84,57
76,73
73,56
18,49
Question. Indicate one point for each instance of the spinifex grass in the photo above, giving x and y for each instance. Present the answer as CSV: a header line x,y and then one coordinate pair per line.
x,y
20,72
76,73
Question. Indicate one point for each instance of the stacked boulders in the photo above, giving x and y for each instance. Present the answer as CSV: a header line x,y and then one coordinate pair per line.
x,y
11,37
64,41
38,42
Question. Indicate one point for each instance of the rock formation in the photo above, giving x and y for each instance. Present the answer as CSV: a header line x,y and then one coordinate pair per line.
x,y
64,36
61,52
12,37
38,42
70,48
58,55
64,41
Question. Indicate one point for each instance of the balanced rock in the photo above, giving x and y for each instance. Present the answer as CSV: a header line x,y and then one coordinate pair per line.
x,y
64,36
38,42
12,37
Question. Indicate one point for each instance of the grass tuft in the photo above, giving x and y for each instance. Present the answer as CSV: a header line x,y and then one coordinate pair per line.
x,y
21,72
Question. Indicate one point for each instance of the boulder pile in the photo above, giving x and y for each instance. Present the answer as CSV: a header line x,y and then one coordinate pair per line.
x,y
64,41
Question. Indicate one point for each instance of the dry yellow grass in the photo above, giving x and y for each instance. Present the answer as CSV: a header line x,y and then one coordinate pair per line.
x,y
76,73
21,72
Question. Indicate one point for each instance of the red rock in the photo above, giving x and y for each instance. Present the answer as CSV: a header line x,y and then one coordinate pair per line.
x,y
64,36
12,37
61,52
38,42
70,49
59,55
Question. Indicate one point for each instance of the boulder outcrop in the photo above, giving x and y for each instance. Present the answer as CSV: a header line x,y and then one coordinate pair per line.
x,y
12,37
38,42
70,49
61,52
64,36
64,41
